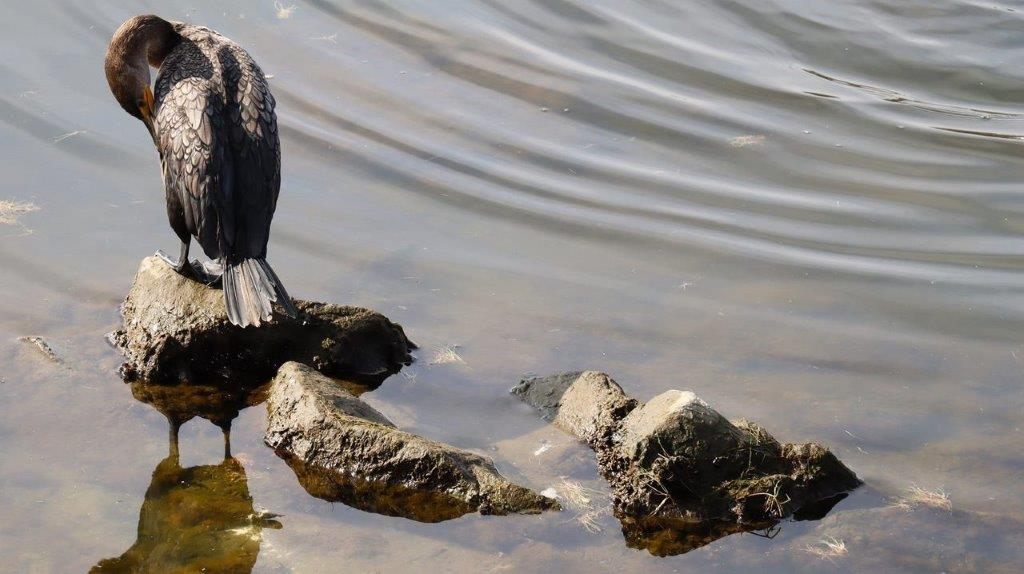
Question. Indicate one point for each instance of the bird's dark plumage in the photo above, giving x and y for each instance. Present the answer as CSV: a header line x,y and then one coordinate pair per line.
x,y
214,125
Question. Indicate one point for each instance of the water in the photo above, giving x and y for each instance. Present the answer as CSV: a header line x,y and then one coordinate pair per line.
x,y
807,212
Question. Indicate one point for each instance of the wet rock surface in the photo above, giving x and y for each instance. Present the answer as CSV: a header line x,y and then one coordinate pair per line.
x,y
176,329
675,461
342,449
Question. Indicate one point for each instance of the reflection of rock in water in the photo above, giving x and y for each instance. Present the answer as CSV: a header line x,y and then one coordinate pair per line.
x,y
669,537
375,496
197,519
181,403
662,536
217,403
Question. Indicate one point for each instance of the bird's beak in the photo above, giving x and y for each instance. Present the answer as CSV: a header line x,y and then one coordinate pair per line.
x,y
146,109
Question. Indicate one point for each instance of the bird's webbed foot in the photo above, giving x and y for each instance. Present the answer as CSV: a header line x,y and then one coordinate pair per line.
x,y
209,272
181,264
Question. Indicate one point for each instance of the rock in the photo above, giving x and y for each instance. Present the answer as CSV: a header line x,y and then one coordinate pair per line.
x,y
176,329
678,421
677,459
578,403
342,449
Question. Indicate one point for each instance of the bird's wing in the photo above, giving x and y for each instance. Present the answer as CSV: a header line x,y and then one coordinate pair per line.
x,y
255,150
189,127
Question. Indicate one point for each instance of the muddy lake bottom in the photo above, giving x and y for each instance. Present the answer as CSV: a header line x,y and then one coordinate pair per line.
x,y
808,214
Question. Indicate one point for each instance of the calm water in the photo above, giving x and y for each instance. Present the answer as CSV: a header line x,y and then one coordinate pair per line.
x,y
807,212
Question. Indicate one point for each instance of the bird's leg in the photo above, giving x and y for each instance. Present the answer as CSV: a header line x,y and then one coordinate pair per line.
x,y
226,431
181,265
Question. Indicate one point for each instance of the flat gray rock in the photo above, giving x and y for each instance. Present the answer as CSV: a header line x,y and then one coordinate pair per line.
x,y
342,449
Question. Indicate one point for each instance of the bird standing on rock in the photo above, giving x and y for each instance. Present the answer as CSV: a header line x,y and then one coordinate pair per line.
x,y
211,116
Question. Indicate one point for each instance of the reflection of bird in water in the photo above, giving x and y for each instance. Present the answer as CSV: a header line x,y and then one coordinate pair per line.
x,y
197,519
212,119
219,404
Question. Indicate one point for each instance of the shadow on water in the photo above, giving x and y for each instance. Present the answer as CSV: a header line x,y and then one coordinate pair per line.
x,y
195,519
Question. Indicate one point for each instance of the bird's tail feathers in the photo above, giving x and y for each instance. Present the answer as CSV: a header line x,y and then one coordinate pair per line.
x,y
250,288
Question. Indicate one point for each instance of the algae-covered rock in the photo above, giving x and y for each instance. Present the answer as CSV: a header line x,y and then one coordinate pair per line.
x,y
677,459
342,449
176,329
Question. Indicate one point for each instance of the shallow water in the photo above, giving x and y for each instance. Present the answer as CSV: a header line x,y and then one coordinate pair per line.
x,y
807,212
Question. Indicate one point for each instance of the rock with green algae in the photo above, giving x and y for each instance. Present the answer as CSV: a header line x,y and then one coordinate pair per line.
x,y
176,329
677,459
342,449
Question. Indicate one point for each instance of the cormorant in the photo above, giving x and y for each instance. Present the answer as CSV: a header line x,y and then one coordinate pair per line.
x,y
211,116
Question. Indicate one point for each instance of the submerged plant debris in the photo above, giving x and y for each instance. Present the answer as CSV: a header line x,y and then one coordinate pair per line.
x,y
43,347
744,141
916,497
10,211
828,548
284,12
447,355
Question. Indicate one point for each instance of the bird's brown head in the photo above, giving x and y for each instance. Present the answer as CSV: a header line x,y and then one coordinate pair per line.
x,y
141,42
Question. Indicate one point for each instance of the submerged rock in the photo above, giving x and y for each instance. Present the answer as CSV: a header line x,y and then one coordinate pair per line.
x,y
675,461
342,449
176,329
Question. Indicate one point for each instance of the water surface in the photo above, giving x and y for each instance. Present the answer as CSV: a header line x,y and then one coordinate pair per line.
x,y
807,212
